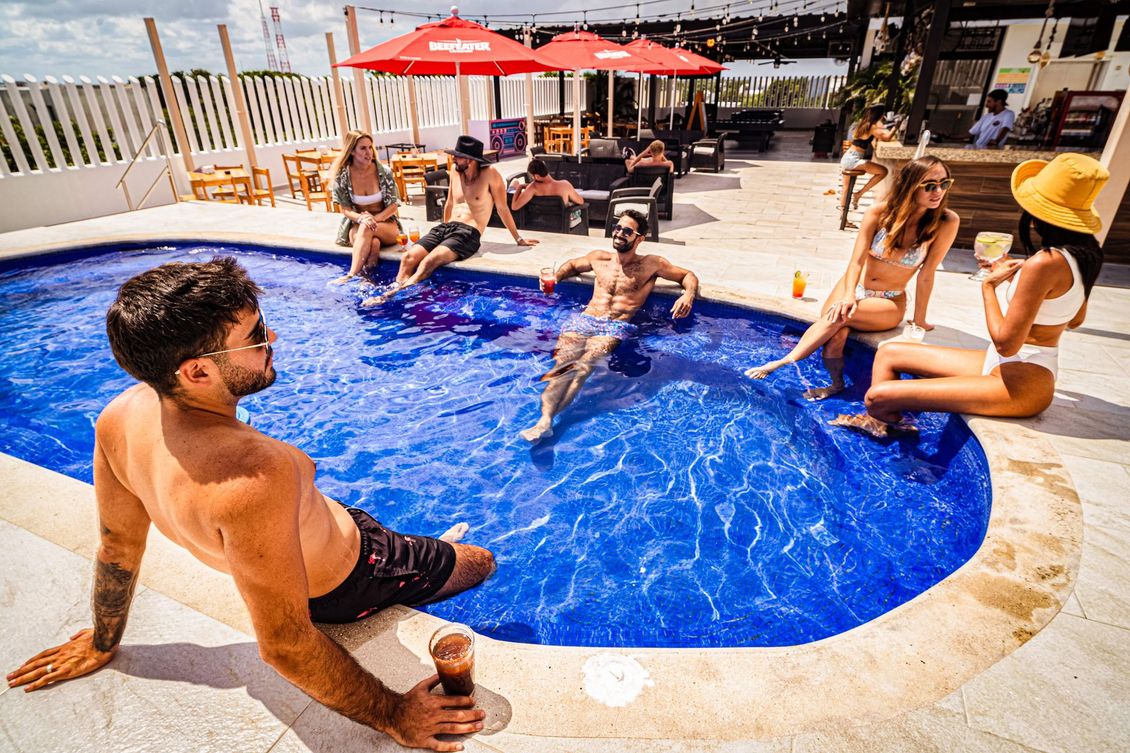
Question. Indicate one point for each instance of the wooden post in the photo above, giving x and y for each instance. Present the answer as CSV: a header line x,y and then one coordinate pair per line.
x,y
530,137
1110,198
497,80
361,95
900,51
179,133
413,110
464,100
576,112
240,100
339,95
926,71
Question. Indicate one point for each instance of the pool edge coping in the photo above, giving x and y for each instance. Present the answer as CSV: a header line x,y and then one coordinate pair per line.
x,y
919,652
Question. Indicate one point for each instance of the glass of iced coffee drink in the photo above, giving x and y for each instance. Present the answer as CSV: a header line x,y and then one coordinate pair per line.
x,y
453,650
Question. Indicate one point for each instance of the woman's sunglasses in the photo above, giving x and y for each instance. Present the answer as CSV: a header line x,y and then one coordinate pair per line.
x,y
929,186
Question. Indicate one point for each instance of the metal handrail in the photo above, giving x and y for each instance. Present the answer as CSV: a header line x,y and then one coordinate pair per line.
x,y
167,170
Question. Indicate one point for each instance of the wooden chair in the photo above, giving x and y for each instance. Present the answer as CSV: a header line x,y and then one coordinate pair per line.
x,y
410,171
314,190
199,192
261,190
293,171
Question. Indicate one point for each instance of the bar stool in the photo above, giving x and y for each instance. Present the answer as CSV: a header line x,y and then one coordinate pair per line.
x,y
846,198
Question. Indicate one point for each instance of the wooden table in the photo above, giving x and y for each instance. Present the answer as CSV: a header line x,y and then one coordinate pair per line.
x,y
413,166
212,186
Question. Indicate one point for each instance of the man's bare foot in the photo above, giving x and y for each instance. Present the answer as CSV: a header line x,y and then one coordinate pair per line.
x,y
537,432
760,372
823,393
455,533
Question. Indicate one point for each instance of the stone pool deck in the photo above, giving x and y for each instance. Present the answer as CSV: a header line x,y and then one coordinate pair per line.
x,y
1023,649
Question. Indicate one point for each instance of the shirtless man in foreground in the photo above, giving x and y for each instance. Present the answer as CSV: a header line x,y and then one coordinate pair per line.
x,y
542,184
476,188
171,452
624,280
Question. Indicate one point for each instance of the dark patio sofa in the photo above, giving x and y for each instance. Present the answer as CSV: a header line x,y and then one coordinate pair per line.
x,y
752,129
594,181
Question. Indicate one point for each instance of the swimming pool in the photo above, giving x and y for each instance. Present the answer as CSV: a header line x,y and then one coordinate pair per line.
x,y
679,504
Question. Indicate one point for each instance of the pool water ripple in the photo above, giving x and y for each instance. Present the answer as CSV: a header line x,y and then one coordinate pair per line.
x,y
678,504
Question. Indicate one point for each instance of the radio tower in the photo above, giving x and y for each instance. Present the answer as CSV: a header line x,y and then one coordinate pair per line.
x,y
284,60
272,64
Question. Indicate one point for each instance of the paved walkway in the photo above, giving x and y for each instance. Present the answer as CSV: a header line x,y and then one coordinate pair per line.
x,y
189,678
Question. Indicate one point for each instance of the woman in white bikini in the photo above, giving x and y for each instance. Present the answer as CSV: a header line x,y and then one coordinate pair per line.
x,y
366,192
856,156
908,234
1046,294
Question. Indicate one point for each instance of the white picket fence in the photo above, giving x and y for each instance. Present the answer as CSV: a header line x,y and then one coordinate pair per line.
x,y
741,92
91,124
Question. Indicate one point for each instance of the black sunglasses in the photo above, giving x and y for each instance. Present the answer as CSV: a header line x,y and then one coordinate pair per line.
x,y
625,231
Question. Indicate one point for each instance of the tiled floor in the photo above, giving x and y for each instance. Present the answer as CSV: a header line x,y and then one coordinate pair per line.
x,y
187,681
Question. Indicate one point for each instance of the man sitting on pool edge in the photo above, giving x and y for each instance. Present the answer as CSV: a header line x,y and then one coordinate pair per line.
x,y
171,452
624,280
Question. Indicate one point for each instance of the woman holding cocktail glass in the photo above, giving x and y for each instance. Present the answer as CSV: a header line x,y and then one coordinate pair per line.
x,y
1043,295
366,192
908,234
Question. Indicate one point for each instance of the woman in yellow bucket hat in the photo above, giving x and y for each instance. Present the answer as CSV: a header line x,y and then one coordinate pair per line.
x,y
1046,293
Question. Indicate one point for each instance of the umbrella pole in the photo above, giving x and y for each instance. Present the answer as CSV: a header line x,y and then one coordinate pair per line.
x,y
529,102
576,113
639,105
611,89
671,123
464,100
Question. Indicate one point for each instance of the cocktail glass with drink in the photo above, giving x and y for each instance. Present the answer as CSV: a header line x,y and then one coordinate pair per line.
x,y
800,282
452,648
414,233
988,248
548,280
402,238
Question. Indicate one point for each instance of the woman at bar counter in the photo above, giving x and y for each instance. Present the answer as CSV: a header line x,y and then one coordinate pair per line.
x,y
908,234
1045,294
370,203
858,155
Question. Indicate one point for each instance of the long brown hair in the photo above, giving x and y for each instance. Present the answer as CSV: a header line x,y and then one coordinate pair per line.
x,y
346,157
870,117
901,204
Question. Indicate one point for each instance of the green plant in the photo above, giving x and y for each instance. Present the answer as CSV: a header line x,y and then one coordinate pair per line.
x,y
869,86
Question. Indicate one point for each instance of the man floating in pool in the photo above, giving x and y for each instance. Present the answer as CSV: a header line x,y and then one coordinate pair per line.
x,y
476,189
171,452
624,280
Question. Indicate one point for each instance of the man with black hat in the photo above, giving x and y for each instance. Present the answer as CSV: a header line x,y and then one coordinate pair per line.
x,y
993,127
476,190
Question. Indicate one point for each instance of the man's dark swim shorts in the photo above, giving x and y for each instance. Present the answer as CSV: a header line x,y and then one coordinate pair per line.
x,y
391,569
463,239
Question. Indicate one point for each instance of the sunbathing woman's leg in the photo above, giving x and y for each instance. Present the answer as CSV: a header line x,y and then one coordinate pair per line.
x,y
833,357
877,173
364,241
871,315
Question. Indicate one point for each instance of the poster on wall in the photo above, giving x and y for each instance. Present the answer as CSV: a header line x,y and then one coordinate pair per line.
x,y
508,136
1013,80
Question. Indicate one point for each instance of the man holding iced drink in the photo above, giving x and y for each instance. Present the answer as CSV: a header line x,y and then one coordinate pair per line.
x,y
170,452
624,279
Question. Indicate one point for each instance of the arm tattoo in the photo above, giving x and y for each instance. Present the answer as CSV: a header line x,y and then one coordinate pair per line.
x,y
113,592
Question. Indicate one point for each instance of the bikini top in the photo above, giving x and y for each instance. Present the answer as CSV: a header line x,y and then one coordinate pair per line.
x,y
1059,310
912,259
863,143
370,199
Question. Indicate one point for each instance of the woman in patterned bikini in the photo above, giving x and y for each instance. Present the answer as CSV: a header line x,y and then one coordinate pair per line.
x,y
908,234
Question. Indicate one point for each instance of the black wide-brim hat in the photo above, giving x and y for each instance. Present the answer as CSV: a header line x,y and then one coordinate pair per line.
x,y
468,147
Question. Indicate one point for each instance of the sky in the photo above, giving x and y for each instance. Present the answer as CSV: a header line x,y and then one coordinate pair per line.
x,y
107,37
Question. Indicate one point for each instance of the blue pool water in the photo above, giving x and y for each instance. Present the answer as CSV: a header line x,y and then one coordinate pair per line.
x,y
679,504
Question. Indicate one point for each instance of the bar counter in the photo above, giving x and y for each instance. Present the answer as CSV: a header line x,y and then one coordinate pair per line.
x,y
982,194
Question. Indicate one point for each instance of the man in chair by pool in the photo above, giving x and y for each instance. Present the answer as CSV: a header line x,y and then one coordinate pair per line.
x,y
171,452
476,189
624,279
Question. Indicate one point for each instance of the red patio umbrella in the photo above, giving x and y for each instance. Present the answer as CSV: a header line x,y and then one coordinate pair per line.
x,y
669,62
582,50
453,46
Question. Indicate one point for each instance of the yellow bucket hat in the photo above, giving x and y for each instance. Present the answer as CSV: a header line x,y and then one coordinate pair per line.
x,y
1061,192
